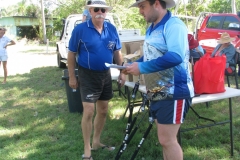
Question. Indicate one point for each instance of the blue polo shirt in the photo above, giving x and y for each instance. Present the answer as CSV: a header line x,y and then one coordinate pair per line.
x,y
94,49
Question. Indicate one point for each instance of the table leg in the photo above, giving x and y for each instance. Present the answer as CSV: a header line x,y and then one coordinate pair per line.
x,y
231,128
128,99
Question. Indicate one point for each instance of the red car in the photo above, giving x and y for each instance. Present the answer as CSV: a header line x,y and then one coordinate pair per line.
x,y
210,26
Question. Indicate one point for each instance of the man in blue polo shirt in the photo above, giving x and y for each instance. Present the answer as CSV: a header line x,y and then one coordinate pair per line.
x,y
166,73
94,43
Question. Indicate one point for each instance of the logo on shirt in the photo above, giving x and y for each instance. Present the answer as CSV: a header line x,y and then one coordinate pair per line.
x,y
156,33
111,45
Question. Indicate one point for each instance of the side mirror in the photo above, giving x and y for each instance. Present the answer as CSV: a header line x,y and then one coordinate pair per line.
x,y
63,21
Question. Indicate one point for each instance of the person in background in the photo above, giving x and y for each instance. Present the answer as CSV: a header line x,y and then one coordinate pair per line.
x,y
196,51
166,54
94,43
86,13
226,47
4,43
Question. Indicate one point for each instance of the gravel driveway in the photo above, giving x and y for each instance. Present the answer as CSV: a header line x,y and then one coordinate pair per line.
x,y
23,58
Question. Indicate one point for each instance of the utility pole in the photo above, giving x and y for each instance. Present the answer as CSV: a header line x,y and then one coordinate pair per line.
x,y
234,6
43,23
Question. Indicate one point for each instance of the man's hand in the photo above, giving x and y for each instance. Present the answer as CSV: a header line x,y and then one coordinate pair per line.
x,y
124,71
71,70
121,79
73,82
132,69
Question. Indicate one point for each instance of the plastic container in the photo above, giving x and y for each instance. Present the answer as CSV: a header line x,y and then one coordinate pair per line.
x,y
73,95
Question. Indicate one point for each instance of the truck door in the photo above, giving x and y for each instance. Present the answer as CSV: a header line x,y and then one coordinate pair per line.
x,y
69,28
68,34
63,44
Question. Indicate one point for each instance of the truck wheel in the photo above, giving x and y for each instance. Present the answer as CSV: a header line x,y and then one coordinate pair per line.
x,y
59,62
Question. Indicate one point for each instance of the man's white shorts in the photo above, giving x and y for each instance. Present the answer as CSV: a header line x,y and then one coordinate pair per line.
x,y
4,58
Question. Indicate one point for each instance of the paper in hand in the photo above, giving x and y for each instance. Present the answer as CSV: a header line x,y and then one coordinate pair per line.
x,y
114,66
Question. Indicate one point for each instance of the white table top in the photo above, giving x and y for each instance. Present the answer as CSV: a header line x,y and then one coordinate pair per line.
x,y
230,92
131,38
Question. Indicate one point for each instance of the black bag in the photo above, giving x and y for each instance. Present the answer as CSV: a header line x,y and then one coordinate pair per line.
x,y
195,54
238,57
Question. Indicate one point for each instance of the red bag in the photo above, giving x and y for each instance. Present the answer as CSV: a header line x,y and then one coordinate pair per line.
x,y
209,74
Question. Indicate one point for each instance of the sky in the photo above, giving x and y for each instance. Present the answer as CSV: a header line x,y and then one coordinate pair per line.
x,y
6,3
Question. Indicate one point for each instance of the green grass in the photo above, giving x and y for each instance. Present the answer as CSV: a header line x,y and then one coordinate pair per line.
x,y
35,124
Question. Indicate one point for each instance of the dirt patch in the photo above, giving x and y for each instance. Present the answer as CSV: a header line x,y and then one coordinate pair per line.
x,y
23,58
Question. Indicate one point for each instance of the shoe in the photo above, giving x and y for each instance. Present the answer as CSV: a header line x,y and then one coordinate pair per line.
x,y
89,158
108,148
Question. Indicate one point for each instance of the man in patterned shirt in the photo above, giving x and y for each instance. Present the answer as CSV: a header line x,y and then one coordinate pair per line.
x,y
165,65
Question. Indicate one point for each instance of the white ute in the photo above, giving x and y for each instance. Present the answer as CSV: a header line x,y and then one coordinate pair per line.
x,y
126,35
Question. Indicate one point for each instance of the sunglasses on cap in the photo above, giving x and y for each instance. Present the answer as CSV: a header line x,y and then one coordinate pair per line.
x,y
103,10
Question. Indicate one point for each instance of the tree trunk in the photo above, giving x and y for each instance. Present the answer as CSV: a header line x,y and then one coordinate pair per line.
x,y
43,23
234,6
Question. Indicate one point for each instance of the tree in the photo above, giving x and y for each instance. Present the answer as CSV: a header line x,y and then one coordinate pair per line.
x,y
217,6
21,7
32,11
130,18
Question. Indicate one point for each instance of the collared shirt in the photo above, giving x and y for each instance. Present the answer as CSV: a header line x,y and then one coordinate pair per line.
x,y
94,49
3,42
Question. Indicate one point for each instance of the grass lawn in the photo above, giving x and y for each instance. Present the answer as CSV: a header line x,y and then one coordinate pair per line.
x,y
35,124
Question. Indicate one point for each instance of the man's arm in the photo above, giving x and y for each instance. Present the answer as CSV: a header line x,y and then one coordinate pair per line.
x,y
10,43
118,57
71,70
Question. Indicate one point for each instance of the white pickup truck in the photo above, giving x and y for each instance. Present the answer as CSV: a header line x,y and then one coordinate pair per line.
x,y
126,35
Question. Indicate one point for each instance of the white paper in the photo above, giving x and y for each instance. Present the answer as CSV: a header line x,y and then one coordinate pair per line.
x,y
114,66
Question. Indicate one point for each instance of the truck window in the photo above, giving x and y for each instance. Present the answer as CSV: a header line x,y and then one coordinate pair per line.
x,y
229,20
67,28
214,22
77,22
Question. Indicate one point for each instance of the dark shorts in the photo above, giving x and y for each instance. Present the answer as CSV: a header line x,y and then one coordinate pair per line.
x,y
94,85
170,111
